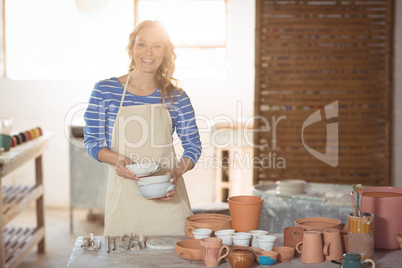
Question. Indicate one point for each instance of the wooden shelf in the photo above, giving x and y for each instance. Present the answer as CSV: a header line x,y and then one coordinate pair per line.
x,y
18,242
17,198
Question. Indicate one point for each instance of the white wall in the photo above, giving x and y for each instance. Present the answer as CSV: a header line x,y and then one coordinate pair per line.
x,y
46,103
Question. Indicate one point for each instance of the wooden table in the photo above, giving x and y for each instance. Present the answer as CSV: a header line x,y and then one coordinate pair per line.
x,y
15,243
151,258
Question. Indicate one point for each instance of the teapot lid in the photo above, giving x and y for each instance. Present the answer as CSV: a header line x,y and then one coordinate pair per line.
x,y
351,256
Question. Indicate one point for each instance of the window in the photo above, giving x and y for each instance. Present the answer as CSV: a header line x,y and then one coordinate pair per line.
x,y
198,30
86,39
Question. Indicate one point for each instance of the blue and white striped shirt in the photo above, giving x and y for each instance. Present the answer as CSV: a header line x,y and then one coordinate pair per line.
x,y
104,105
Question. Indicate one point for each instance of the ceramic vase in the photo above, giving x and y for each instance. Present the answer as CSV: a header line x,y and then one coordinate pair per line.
x,y
245,211
333,249
241,257
311,248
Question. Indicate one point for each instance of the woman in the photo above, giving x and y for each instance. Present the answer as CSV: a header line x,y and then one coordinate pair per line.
x,y
132,118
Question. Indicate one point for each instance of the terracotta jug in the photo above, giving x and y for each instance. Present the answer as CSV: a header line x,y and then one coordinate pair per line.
x,y
312,251
287,235
212,251
245,211
333,249
241,257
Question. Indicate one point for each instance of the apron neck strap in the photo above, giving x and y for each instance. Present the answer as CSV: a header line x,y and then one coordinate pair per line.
x,y
125,90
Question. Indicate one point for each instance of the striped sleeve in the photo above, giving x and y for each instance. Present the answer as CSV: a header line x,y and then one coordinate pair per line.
x,y
95,123
187,129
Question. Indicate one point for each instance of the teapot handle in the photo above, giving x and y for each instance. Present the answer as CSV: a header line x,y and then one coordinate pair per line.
x,y
370,261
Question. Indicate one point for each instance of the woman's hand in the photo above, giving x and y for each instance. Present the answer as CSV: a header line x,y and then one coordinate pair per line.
x,y
122,171
175,174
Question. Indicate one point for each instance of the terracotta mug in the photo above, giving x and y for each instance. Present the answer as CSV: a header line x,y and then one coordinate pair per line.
x,y
287,235
312,251
297,237
333,249
212,251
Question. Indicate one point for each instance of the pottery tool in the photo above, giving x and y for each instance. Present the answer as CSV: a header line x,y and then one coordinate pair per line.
x,y
107,244
130,241
359,200
356,200
114,243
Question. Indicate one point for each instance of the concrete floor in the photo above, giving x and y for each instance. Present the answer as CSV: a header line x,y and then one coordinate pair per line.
x,y
59,241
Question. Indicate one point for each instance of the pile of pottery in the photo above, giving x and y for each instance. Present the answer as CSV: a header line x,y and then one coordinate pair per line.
x,y
317,239
151,187
8,141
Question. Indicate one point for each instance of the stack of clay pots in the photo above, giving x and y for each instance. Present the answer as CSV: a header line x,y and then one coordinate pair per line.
x,y
317,239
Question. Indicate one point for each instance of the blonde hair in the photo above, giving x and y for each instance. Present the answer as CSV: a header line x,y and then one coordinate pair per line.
x,y
164,75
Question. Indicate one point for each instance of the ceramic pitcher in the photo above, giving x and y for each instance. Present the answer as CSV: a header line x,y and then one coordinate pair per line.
x,y
333,249
312,251
212,251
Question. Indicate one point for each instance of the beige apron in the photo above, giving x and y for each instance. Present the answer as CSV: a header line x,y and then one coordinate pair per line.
x,y
144,132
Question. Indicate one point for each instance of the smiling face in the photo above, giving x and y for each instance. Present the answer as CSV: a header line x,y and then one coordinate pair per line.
x,y
149,49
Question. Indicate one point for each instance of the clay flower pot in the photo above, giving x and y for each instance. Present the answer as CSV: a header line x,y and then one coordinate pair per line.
x,y
284,253
245,211
212,221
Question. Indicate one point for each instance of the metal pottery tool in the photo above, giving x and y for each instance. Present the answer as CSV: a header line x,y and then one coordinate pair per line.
x,y
357,200
107,244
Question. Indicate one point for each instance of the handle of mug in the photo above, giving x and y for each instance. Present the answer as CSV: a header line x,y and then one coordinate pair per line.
x,y
370,261
325,250
298,247
221,252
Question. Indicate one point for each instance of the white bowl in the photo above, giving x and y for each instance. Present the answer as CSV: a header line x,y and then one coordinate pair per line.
x,y
154,179
144,168
155,190
289,187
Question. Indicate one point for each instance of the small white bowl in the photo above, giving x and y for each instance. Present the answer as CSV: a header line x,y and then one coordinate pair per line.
x,y
144,168
154,179
155,190
290,187
202,233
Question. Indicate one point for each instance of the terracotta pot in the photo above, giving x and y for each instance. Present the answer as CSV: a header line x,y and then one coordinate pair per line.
x,y
212,221
189,249
287,235
319,223
385,203
333,249
399,238
241,257
245,211
311,248
284,253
